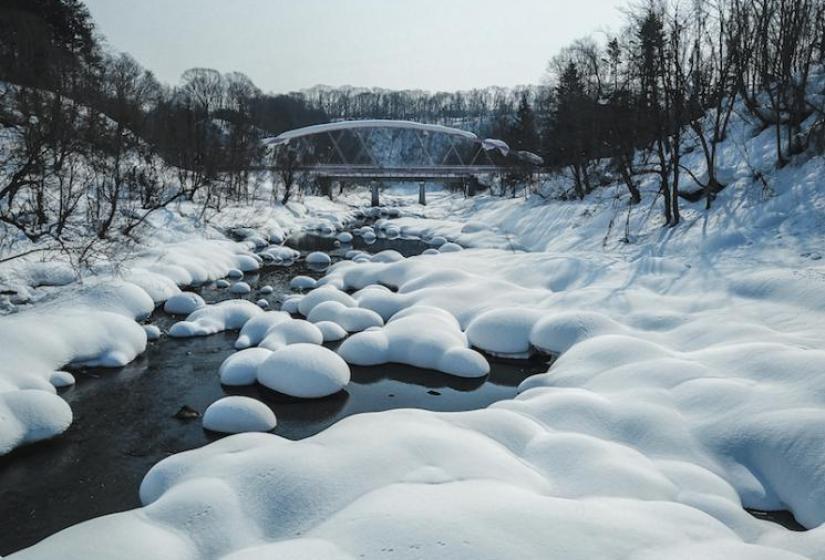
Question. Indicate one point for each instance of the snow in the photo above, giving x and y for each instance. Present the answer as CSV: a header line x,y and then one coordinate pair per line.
x,y
234,273
318,259
222,284
449,248
262,303
351,319
323,294
241,368
212,319
294,331
254,330
152,332
234,415
61,379
240,288
420,336
302,283
504,332
345,237
304,371
183,303
333,332
266,290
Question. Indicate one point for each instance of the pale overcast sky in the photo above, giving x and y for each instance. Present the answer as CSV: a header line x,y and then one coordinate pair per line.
x,y
285,45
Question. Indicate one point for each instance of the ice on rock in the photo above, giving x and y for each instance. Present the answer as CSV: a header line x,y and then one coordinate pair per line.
x,y
266,290
241,368
333,332
224,316
322,294
302,283
290,304
304,371
240,288
254,330
152,332
234,273
235,415
62,379
318,259
504,332
290,332
450,248
345,237
419,336
222,284
351,319
183,303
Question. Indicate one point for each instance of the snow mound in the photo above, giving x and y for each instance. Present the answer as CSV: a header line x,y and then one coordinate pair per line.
x,y
290,304
224,316
183,303
419,336
289,332
450,248
241,368
152,332
437,241
234,273
387,256
554,334
323,294
61,379
333,332
222,284
504,332
29,416
305,371
302,283
263,304
351,319
345,237
318,259
240,288
266,290
234,415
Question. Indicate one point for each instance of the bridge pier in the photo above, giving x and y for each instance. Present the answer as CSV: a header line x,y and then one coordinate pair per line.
x,y
374,188
422,193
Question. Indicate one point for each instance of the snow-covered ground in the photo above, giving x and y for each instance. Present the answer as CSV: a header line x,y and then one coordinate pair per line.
x,y
690,385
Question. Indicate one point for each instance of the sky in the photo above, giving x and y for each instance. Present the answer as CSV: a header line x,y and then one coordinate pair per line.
x,y
288,45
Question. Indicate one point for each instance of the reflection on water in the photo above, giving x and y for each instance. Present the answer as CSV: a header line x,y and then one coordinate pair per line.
x,y
124,419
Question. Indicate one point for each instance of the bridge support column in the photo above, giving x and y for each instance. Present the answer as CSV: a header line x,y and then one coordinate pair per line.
x,y
374,188
422,193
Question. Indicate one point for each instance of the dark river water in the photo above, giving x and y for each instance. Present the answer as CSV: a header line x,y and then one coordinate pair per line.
x,y
124,419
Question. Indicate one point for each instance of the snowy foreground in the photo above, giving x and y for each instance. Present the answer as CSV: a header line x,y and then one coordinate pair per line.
x,y
690,384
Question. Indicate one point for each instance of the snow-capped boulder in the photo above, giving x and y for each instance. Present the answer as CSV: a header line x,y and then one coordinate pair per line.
x,y
351,319
61,379
420,336
262,303
222,284
431,251
266,290
450,248
305,371
437,241
183,303
248,263
290,304
332,332
322,294
388,256
318,259
240,288
235,415
302,283
294,331
152,332
241,368
504,332
345,237
224,316
556,333
254,330
234,273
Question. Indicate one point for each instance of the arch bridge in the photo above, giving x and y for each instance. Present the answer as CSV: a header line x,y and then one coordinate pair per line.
x,y
393,150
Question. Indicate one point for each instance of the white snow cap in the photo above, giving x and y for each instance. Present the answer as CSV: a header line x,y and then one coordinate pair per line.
x,y
241,368
302,283
183,303
305,371
351,319
224,316
234,415
240,288
318,259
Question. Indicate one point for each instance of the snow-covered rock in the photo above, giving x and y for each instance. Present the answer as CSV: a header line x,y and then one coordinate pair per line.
x,y
450,248
262,303
241,368
234,273
240,288
305,371
318,259
234,415
290,304
224,316
321,295
183,303
294,331
332,332
345,237
152,332
420,336
302,283
61,379
254,330
222,284
266,290
504,332
351,319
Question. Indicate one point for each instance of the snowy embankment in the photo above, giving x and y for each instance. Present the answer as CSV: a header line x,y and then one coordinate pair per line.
x,y
689,385
96,322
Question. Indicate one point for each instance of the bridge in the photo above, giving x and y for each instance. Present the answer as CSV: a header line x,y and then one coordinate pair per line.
x,y
393,150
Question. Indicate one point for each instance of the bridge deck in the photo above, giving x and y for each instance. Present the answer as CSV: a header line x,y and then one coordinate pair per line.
x,y
402,172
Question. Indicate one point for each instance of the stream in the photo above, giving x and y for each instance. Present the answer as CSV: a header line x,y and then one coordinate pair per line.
x,y
125,419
